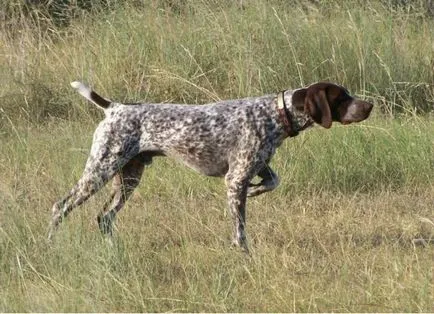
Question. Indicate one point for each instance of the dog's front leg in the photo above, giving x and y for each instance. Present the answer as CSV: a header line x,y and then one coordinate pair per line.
x,y
237,195
269,182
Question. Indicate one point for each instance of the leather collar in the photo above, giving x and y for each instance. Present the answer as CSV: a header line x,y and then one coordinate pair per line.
x,y
290,129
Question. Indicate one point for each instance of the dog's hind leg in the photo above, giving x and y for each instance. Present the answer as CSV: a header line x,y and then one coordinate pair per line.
x,y
124,183
98,171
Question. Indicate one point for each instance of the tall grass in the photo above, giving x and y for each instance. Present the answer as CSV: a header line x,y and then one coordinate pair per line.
x,y
337,235
215,50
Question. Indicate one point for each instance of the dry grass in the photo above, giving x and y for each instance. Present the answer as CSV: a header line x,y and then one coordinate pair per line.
x,y
314,247
209,51
337,235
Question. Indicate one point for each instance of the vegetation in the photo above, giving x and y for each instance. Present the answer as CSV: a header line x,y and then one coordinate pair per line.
x,y
343,232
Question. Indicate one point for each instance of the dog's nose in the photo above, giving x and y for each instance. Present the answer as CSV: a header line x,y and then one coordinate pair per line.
x,y
368,107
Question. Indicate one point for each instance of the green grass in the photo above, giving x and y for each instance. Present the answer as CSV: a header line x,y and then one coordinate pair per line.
x,y
208,52
337,235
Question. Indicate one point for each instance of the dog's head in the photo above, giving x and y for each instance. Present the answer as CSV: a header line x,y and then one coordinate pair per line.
x,y
327,102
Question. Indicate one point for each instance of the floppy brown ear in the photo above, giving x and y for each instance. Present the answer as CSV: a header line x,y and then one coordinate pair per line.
x,y
317,106
299,98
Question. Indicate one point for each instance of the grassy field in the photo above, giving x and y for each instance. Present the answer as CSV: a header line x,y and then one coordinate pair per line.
x,y
338,235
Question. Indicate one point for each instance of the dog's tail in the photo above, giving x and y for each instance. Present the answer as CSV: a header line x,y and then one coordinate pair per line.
x,y
90,95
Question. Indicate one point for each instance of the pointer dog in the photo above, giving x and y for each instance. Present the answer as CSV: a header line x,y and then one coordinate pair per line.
x,y
234,139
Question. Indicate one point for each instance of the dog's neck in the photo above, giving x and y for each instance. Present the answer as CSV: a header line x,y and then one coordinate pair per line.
x,y
293,119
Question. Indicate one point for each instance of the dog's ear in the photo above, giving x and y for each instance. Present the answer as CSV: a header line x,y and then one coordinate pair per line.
x,y
317,106
313,101
298,98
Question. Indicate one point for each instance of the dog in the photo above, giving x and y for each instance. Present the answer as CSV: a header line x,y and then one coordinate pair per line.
x,y
234,139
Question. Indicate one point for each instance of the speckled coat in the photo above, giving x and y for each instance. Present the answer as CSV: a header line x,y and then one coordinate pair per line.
x,y
234,138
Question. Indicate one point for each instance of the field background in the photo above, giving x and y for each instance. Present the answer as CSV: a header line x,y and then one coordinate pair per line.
x,y
348,229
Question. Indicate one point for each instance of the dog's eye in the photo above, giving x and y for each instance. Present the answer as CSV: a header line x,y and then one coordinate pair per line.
x,y
344,96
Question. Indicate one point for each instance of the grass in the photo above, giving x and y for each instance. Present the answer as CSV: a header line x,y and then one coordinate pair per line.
x,y
337,235
209,52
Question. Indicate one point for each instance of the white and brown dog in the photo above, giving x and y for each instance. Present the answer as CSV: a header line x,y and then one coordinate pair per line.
x,y
235,139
